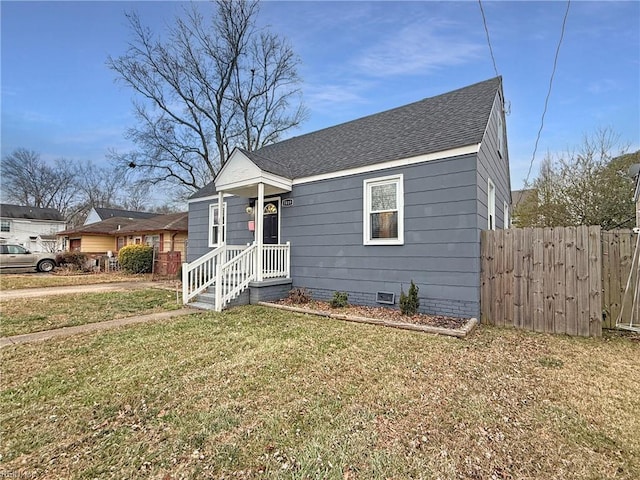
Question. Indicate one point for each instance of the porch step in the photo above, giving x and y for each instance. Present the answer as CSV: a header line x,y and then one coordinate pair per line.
x,y
204,301
202,305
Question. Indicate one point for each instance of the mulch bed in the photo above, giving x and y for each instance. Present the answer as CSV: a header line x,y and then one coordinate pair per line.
x,y
381,313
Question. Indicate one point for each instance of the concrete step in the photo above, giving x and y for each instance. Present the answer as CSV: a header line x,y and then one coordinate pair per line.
x,y
202,305
206,297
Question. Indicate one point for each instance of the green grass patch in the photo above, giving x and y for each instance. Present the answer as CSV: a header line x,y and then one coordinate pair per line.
x,y
29,315
260,393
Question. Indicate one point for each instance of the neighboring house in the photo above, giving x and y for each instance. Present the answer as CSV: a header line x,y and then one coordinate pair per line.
x,y
363,207
99,214
33,228
167,232
96,238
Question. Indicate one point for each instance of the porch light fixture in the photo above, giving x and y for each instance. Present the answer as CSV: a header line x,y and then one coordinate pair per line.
x,y
249,210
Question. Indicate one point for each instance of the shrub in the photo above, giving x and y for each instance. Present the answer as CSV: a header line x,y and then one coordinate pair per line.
x,y
136,258
340,299
409,303
299,295
72,260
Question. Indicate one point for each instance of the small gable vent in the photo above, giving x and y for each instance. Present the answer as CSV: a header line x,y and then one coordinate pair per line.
x,y
385,297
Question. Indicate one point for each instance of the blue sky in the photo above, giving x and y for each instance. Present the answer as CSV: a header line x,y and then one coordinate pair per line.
x,y
60,99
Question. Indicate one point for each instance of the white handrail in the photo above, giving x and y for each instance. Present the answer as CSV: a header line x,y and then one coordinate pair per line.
x,y
200,274
234,276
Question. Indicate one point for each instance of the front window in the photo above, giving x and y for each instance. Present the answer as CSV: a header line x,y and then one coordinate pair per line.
x,y
5,226
215,223
152,240
384,211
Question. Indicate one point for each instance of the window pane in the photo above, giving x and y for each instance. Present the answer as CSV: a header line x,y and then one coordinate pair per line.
x,y
383,197
384,225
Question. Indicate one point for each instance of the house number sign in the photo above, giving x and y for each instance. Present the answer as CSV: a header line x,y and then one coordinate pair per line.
x,y
287,202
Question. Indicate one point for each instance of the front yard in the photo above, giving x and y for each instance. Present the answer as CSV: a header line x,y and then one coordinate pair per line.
x,y
29,315
259,393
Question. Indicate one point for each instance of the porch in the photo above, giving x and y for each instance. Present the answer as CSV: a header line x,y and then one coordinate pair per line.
x,y
223,274
220,277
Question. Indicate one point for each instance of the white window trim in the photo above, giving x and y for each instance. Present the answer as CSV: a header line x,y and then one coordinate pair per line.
x,y
367,240
491,205
213,242
506,221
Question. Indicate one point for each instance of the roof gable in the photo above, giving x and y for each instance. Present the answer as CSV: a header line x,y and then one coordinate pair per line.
x,y
240,173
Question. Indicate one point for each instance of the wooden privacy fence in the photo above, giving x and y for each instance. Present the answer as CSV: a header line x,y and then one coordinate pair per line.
x,y
618,247
546,280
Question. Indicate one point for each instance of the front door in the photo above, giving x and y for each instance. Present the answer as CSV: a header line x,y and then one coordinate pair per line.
x,y
271,227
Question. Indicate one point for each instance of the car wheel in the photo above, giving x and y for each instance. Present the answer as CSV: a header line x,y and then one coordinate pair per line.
x,y
46,265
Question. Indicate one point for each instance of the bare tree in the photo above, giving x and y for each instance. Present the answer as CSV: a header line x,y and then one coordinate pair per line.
x,y
97,187
73,188
30,181
588,185
213,84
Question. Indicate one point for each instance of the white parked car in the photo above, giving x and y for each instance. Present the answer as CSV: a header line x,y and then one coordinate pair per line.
x,y
16,256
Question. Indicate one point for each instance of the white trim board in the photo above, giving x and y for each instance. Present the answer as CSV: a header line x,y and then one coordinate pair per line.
x,y
403,162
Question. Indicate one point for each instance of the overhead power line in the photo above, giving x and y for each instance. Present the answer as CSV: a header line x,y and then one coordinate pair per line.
x,y
546,101
486,29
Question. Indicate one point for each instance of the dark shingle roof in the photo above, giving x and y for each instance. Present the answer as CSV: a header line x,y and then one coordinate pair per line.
x,y
451,120
105,213
104,227
32,213
172,222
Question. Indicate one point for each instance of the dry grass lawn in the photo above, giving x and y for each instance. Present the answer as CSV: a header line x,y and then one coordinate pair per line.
x,y
260,393
29,315
15,281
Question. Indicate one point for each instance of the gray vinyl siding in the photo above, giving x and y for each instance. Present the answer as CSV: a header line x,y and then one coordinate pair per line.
x,y
440,252
491,165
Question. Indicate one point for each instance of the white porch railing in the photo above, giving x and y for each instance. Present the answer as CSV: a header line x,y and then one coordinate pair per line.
x,y
230,269
276,261
200,274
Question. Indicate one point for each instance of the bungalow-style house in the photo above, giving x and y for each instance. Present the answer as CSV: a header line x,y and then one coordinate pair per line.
x,y
33,228
364,207
167,232
98,214
96,238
